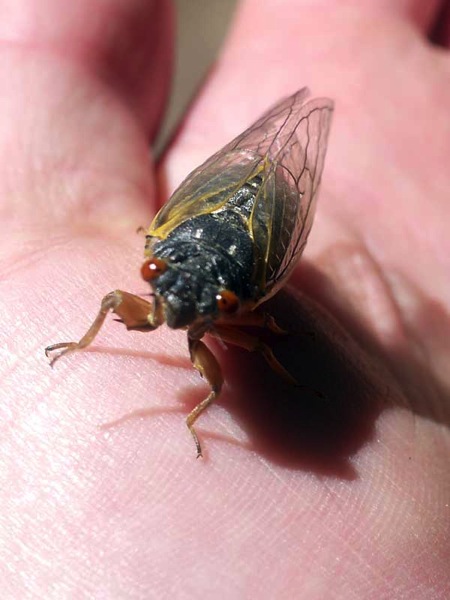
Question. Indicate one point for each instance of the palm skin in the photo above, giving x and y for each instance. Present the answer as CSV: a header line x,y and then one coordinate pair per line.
x,y
297,496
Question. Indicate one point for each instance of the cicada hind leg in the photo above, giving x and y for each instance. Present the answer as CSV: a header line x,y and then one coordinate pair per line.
x,y
252,343
231,334
133,311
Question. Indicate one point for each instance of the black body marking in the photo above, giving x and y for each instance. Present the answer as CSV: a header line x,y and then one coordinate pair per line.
x,y
204,255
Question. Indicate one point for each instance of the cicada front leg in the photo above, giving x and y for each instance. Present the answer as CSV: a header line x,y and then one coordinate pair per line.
x,y
133,311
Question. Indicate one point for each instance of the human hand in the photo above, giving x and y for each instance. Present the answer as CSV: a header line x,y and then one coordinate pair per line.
x,y
297,497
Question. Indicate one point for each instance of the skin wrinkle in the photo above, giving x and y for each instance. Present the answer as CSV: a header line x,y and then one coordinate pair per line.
x,y
368,269
378,573
338,261
332,494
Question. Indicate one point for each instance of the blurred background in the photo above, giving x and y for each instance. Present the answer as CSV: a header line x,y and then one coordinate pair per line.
x,y
201,27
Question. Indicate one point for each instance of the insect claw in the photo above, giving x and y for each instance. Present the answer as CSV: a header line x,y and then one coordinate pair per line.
x,y
53,359
273,326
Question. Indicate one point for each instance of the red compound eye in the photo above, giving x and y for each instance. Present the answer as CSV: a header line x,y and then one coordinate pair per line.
x,y
153,268
227,301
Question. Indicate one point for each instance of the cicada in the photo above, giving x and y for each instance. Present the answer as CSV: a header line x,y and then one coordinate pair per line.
x,y
227,240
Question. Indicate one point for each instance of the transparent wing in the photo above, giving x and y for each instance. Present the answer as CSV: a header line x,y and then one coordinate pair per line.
x,y
284,208
286,147
206,189
211,185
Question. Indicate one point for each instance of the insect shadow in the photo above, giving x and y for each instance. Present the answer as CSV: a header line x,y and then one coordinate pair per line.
x,y
320,425
420,389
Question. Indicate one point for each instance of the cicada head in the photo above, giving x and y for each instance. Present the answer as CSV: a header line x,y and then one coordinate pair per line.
x,y
188,295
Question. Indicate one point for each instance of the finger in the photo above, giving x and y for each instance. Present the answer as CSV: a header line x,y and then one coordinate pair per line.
x,y
260,62
346,53
73,148
440,32
422,14
126,44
